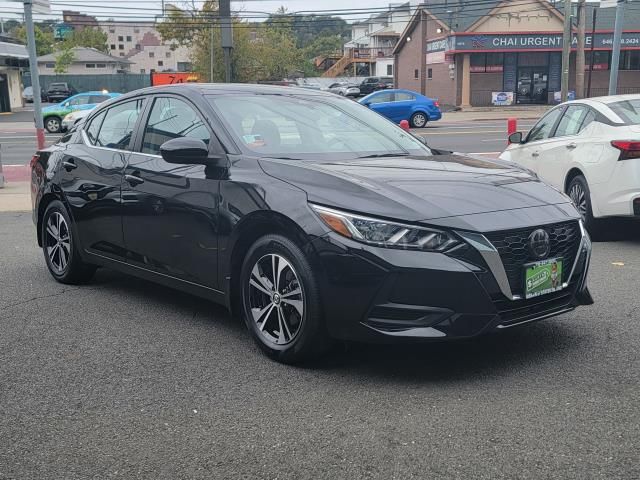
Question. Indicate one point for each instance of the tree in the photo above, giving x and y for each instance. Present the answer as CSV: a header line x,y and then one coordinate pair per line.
x,y
44,39
63,60
87,37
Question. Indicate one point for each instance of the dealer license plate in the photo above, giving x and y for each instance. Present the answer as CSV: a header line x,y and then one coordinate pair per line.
x,y
542,277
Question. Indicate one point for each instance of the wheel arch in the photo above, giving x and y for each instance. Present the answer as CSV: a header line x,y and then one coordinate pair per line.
x,y
246,232
571,174
46,199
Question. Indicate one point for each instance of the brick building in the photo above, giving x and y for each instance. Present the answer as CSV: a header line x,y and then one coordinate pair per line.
x,y
507,52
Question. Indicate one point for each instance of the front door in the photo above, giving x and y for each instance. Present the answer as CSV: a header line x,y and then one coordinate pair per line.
x,y
532,85
170,210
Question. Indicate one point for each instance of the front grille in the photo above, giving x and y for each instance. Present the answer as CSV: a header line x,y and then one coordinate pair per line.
x,y
512,245
517,311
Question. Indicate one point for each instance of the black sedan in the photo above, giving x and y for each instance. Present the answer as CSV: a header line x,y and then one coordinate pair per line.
x,y
308,215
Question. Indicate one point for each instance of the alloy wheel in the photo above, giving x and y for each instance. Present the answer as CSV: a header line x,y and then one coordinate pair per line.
x,y
58,242
419,120
53,125
579,198
276,299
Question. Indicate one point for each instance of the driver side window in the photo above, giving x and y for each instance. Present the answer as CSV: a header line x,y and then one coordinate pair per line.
x,y
542,129
81,100
381,98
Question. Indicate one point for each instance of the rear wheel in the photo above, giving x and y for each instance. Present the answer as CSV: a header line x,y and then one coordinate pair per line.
x,y
580,195
419,120
60,247
281,301
53,124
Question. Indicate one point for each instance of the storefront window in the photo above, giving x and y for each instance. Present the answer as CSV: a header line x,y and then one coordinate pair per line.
x,y
600,60
630,60
487,62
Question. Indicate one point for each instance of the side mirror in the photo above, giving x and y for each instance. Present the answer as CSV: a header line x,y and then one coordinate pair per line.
x,y
65,104
367,104
515,137
185,150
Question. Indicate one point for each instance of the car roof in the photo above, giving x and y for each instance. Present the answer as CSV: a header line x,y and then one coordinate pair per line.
x,y
96,92
601,104
188,89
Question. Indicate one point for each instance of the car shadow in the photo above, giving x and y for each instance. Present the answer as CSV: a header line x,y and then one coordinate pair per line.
x,y
509,351
618,230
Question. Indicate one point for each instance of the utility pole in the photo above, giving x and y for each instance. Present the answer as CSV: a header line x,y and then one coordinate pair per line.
x,y
211,52
593,43
617,40
566,51
226,37
580,60
33,69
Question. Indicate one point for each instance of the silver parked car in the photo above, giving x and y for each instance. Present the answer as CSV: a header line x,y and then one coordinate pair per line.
x,y
345,89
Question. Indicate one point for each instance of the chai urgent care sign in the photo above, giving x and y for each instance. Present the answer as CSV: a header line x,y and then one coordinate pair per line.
x,y
169,78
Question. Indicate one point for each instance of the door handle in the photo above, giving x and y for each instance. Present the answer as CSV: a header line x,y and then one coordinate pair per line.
x,y
535,154
571,146
133,180
69,165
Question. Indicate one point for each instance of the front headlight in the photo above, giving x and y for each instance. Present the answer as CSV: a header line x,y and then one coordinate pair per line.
x,y
383,233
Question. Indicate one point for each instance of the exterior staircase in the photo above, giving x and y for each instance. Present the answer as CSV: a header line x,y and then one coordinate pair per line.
x,y
339,67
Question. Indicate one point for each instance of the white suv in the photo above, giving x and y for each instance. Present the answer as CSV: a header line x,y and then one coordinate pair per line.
x,y
589,149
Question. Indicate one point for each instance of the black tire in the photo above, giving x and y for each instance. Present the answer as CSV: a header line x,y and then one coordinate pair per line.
x,y
579,192
53,124
62,257
419,120
310,339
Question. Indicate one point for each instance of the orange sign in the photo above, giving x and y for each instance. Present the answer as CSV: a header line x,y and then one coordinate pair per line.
x,y
169,78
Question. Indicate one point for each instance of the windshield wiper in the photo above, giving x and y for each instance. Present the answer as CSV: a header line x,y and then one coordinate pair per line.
x,y
383,155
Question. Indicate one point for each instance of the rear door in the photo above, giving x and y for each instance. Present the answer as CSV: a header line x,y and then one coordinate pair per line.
x,y
170,211
403,103
91,176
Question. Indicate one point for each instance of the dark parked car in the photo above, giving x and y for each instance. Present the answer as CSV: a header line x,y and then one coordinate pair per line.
x,y
57,92
308,215
373,84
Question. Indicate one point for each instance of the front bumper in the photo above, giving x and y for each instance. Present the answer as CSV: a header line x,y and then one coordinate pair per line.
x,y
381,295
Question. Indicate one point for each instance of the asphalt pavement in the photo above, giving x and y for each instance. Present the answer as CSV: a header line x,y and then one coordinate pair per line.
x,y
123,378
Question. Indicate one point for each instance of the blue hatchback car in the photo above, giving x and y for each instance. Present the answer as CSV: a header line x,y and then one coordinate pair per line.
x,y
398,105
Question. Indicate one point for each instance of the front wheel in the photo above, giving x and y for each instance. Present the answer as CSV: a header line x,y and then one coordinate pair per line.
x,y
419,120
53,124
281,301
60,247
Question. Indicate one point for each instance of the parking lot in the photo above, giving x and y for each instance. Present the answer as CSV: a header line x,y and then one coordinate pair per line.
x,y
127,379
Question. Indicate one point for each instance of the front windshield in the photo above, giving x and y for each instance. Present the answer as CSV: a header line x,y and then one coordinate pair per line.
x,y
311,127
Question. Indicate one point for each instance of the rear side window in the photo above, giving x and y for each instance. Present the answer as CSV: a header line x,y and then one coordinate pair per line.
x,y
403,97
571,121
117,128
589,117
628,111
94,127
542,129
172,118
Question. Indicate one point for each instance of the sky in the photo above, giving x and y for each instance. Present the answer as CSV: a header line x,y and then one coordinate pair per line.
x,y
103,9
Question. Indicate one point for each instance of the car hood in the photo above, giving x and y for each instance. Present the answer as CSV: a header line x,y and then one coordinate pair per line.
x,y
417,189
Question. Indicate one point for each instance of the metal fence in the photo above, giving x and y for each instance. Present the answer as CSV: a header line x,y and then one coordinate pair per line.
x,y
118,82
